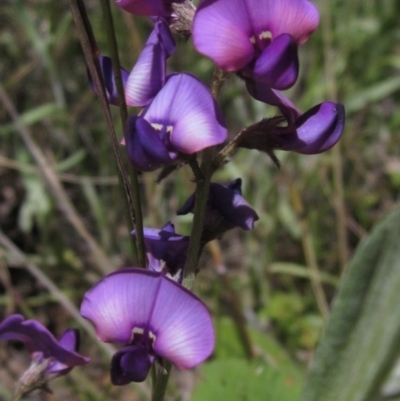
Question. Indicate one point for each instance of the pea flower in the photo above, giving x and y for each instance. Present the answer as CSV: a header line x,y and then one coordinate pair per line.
x,y
165,250
152,317
226,209
257,38
148,74
50,358
160,8
183,118
312,132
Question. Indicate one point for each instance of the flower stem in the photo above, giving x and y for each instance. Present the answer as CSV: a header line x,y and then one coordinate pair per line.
x,y
160,380
113,47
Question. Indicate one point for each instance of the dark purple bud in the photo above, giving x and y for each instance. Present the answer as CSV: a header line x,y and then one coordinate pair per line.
x,y
226,209
108,78
166,251
153,317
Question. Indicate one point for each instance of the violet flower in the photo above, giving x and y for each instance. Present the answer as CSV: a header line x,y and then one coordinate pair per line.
x,y
226,209
257,38
149,73
182,118
160,8
58,357
166,251
151,316
110,86
315,131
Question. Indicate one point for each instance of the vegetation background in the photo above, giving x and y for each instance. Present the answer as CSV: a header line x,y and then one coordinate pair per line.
x,y
62,212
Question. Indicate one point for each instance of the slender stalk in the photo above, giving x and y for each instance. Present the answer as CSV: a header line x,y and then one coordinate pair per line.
x,y
160,380
339,201
202,190
91,52
113,46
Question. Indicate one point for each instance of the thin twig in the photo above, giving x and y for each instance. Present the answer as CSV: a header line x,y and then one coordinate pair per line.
x,y
58,191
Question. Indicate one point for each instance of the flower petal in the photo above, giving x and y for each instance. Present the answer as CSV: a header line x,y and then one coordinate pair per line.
x,y
108,78
144,145
278,64
182,326
38,339
221,31
145,7
298,18
120,302
131,364
188,110
318,129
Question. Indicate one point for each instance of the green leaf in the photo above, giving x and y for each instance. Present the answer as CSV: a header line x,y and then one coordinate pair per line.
x,y
239,380
361,340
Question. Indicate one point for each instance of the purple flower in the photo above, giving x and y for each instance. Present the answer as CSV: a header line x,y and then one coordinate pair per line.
x,y
256,38
226,209
160,8
315,131
60,356
151,316
108,78
182,118
166,250
149,73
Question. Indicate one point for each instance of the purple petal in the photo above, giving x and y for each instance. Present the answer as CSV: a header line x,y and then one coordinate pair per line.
x,y
222,31
262,92
70,340
318,129
182,326
298,18
145,147
162,34
38,339
165,246
137,298
146,7
108,78
231,204
188,112
131,364
120,302
147,76
278,64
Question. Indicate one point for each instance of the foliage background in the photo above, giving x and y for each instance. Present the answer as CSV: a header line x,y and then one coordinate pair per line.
x,y
355,55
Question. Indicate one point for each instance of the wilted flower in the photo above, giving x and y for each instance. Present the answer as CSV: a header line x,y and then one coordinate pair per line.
x,y
50,358
165,250
257,38
226,209
312,132
151,316
182,118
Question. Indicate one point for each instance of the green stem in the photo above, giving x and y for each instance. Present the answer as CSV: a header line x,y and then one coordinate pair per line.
x,y
160,380
91,52
113,47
